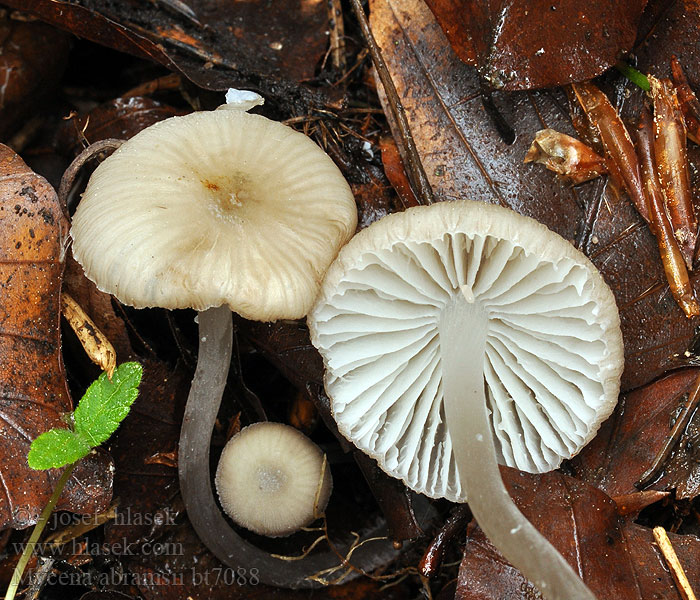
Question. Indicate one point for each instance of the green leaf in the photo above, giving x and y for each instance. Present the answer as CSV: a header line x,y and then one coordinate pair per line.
x,y
99,412
639,79
56,448
106,403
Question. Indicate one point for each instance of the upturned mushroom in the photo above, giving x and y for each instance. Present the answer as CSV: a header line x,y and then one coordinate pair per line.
x,y
272,479
218,211
461,335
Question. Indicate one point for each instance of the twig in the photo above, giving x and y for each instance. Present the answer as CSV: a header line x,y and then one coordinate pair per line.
x,y
415,172
673,563
435,552
95,343
678,427
39,578
71,172
337,35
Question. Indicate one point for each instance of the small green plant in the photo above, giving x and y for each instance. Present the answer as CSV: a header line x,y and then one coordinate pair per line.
x,y
100,411
636,77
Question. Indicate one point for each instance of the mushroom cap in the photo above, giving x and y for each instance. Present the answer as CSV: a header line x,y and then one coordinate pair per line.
x,y
554,352
268,479
213,208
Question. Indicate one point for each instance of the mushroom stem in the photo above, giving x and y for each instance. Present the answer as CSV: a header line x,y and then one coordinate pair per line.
x,y
215,343
467,416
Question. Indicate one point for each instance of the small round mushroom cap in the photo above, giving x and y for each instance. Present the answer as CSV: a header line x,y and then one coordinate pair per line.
x,y
553,347
268,479
214,208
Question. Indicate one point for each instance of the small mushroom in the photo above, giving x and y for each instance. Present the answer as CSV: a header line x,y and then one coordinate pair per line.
x,y
272,479
217,211
460,335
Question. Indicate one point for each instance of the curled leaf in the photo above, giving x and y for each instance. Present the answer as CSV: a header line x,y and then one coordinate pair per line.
x,y
565,155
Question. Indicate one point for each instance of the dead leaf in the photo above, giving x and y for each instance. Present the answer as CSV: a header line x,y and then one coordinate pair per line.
x,y
464,157
33,392
148,490
630,439
215,44
33,57
120,119
538,43
617,559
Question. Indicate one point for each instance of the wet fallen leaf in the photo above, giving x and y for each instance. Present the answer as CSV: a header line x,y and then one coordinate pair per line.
x,y
630,439
464,157
120,119
616,557
536,43
214,44
33,57
33,392
148,490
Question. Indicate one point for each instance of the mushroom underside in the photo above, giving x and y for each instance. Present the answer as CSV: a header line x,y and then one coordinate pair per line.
x,y
461,335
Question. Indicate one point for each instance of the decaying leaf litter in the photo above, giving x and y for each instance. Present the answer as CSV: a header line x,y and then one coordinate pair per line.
x,y
464,155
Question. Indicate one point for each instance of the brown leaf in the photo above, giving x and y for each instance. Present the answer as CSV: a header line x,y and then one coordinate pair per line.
x,y
120,119
464,157
147,489
33,392
630,439
538,43
616,558
33,57
214,43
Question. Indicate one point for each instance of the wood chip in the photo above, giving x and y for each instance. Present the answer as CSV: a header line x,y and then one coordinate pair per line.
x,y
673,563
94,342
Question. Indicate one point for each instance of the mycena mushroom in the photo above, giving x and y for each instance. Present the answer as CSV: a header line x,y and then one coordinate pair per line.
x,y
272,479
460,335
218,211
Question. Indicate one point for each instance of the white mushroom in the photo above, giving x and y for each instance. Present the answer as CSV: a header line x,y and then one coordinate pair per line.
x,y
462,334
272,479
220,209
213,208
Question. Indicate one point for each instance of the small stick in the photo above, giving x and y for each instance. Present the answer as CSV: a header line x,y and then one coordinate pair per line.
x,y
93,341
415,172
39,577
672,165
435,552
72,171
690,106
673,563
337,35
615,138
660,225
678,427
504,128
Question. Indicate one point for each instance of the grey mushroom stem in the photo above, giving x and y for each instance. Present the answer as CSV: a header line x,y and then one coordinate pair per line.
x,y
215,343
467,416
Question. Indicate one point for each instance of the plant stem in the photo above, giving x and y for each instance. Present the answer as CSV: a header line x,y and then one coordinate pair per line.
x,y
467,419
36,533
636,77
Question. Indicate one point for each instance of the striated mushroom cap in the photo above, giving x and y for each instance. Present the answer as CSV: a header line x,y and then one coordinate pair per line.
x,y
553,356
268,479
213,208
